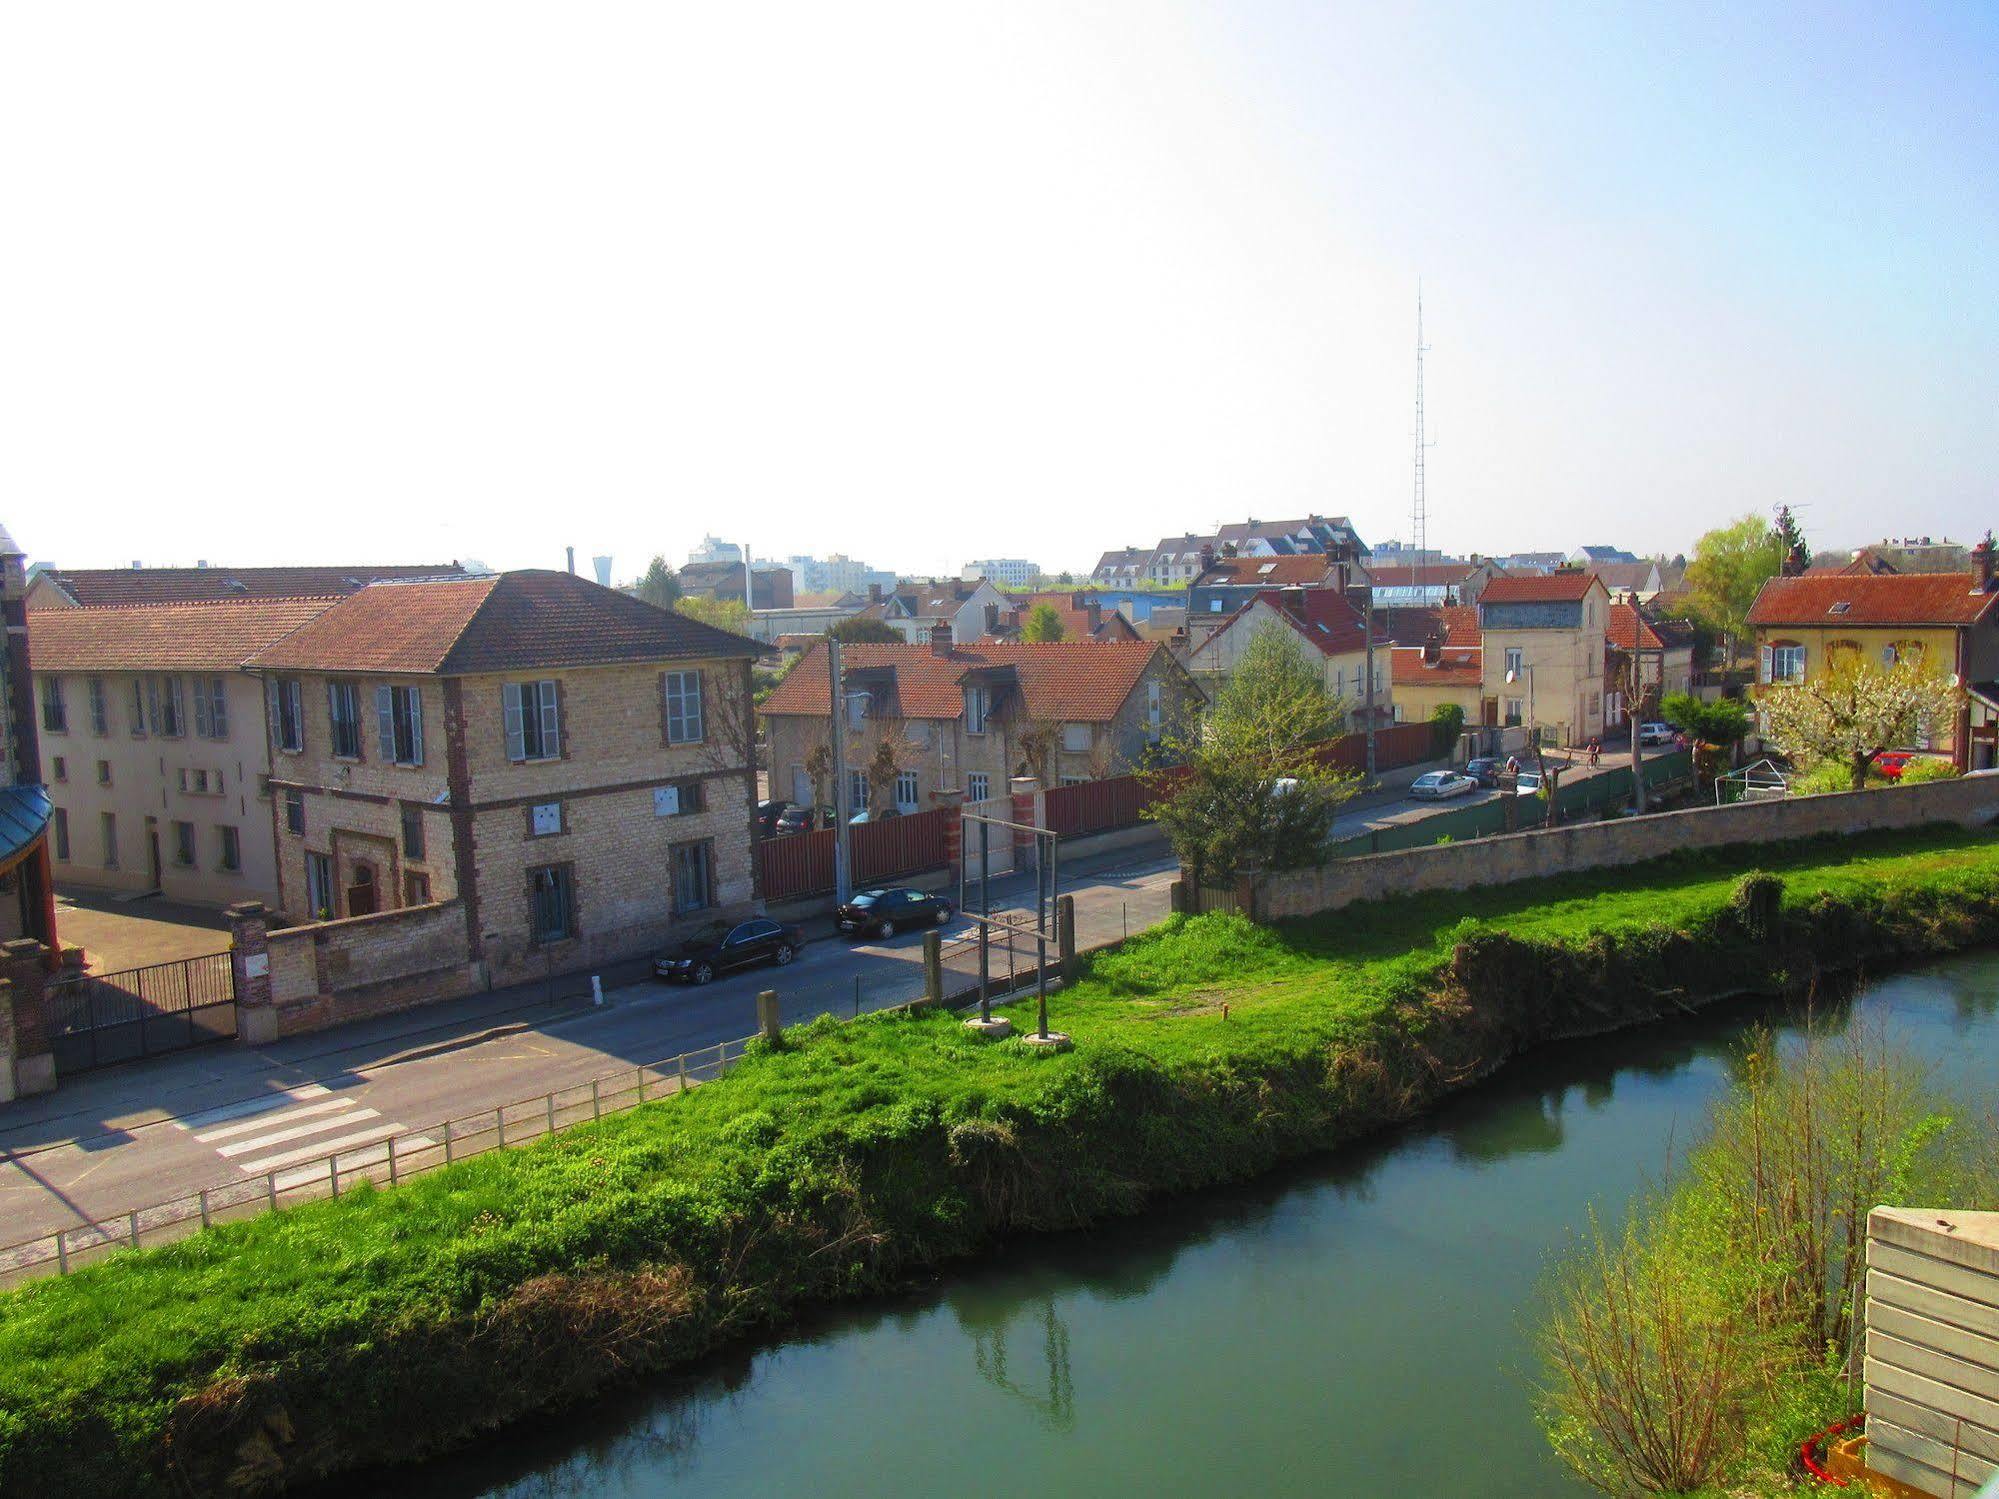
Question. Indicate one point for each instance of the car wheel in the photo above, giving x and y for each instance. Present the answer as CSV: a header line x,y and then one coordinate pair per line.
x,y
885,930
943,913
703,973
782,955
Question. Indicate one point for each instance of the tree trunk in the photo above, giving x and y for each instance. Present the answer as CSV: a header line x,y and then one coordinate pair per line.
x,y
1860,764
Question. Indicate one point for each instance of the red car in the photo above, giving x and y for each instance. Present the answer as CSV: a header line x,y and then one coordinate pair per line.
x,y
1890,764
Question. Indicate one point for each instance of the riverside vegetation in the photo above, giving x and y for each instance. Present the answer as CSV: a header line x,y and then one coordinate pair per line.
x,y
391,1324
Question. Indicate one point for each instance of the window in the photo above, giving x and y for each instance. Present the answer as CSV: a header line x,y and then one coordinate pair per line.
x,y
412,818
165,714
1154,706
1783,663
858,705
975,710
54,719
693,877
211,709
59,834
319,886
416,888
295,812
288,714
139,685
533,721
343,718
399,721
232,849
100,713
905,791
551,903
59,767
1339,681
104,772
857,791
545,820
978,786
683,707
1076,738
679,799
1513,707
184,844
107,833
1515,660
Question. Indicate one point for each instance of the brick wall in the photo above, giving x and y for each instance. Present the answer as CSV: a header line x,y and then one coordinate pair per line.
x,y
1970,801
327,973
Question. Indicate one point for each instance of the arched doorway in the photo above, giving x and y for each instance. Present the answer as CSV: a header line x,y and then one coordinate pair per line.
x,y
361,895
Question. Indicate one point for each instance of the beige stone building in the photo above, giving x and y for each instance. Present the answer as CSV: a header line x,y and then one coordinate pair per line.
x,y
570,767
153,745
963,720
1542,654
1332,631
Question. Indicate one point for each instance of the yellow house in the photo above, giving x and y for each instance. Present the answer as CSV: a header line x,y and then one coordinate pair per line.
x,y
1542,654
1805,623
1326,621
1444,666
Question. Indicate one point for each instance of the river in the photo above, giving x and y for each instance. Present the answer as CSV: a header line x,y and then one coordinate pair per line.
x,y
1357,1326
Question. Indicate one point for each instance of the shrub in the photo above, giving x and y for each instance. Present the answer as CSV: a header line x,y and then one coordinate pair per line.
x,y
1926,768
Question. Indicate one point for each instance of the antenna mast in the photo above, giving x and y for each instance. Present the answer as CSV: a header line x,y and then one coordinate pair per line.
x,y
1419,520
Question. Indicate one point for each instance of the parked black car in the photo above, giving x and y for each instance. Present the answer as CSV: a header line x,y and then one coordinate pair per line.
x,y
799,818
1485,770
721,947
883,913
769,813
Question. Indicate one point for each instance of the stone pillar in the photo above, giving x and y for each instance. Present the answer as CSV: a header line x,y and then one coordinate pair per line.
x,y
24,963
1180,895
952,803
933,967
1026,796
770,1019
1065,936
1245,893
250,966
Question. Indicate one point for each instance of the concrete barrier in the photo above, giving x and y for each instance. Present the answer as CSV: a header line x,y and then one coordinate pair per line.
x,y
1970,801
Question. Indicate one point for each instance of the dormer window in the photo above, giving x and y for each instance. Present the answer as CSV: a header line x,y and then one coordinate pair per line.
x,y
975,710
1842,607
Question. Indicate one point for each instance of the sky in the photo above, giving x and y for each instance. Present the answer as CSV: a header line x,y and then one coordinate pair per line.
x,y
932,282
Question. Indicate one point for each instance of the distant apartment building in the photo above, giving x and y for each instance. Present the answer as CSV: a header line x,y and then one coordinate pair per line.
x,y
770,583
837,573
569,765
1591,556
154,744
1007,572
713,549
1178,560
1428,585
1225,584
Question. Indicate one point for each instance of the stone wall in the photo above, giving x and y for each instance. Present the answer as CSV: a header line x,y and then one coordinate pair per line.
x,y
1969,801
330,972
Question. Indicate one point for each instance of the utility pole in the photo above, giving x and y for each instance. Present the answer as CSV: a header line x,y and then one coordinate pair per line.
x,y
1367,615
843,880
1419,518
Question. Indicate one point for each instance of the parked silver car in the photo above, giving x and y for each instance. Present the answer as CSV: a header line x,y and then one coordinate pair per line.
x,y
1439,785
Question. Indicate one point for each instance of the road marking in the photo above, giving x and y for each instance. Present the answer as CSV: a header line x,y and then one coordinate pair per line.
x,y
252,1106
332,1105
262,1136
376,1134
295,1132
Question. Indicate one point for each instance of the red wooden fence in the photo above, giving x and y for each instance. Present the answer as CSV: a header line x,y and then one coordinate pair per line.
x,y
803,863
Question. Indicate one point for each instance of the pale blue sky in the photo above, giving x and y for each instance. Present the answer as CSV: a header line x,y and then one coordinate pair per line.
x,y
931,282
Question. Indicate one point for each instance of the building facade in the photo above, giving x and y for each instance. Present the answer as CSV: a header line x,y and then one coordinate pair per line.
x,y
1334,636
1542,654
1007,572
573,767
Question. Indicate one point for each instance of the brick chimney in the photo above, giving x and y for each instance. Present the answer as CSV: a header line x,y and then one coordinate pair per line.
x,y
1093,612
1794,562
940,638
1207,555
1981,563
874,593
1433,648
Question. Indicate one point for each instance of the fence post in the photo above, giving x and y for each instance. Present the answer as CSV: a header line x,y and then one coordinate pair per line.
x,y
271,1188
933,967
770,1023
500,1127
857,995
333,1172
1065,936
596,1101
204,1207
135,1228
62,1251
551,1113
392,1160
447,1142
642,1084
681,1063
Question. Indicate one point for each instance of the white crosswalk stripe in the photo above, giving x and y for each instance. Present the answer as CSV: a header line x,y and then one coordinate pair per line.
x,y
304,1124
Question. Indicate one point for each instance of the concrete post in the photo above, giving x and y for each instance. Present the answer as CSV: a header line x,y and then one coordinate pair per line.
x,y
24,963
770,1021
1180,896
933,967
250,967
1065,936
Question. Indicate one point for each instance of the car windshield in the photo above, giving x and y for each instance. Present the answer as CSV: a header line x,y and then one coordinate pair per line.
x,y
867,897
710,934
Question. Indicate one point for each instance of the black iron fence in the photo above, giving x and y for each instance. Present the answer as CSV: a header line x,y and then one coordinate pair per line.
x,y
97,1019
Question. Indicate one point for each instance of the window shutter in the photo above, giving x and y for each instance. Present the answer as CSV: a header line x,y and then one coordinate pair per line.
x,y
551,722
416,725
272,687
202,723
1763,662
385,722
510,695
699,727
218,709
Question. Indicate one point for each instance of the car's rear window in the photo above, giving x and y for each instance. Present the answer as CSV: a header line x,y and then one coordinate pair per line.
x,y
866,898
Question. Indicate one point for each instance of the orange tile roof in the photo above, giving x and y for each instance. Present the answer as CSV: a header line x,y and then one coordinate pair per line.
x,y
1886,599
1064,681
1455,666
1408,575
517,621
1268,572
1627,629
1546,588
218,635
112,587
1460,622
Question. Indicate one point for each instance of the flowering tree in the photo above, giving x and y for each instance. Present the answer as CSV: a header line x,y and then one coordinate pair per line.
x,y
1855,709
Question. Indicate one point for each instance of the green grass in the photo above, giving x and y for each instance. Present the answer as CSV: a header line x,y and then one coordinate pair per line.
x,y
373,1327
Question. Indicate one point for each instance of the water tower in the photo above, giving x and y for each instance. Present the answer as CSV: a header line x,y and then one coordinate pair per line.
x,y
603,566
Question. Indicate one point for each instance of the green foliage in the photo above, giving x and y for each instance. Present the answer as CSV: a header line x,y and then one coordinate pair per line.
x,y
863,629
1448,722
659,586
1926,768
1722,722
1042,624
1789,536
1277,694
862,1153
725,614
1730,564
1855,708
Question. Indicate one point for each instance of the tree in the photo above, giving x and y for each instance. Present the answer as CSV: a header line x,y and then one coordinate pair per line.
x,y
1447,722
1730,564
659,587
724,614
1788,536
1253,792
1855,709
1043,624
892,751
864,629
1713,727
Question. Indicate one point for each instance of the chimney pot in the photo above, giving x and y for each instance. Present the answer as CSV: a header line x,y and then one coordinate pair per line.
x,y
940,638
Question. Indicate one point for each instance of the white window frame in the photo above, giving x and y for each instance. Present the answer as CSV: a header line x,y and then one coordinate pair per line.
x,y
399,723
536,704
978,787
977,710
1516,659
857,791
686,722
907,791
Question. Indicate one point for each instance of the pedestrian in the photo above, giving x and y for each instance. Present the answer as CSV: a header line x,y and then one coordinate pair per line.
x,y
1595,753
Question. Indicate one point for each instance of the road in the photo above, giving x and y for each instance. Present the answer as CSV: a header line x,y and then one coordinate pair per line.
x,y
127,1137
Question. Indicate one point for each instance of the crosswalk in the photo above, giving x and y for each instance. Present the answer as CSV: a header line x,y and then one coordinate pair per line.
x,y
275,1134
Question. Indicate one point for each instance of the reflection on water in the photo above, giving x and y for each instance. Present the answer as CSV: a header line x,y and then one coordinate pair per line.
x,y
1354,1326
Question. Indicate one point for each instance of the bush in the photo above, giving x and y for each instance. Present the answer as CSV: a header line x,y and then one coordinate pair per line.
x,y
1926,768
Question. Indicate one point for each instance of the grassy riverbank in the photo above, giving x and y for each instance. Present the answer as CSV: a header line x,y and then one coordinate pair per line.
x,y
389,1324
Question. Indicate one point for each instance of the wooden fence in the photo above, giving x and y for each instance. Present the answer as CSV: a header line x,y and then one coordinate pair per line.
x,y
804,863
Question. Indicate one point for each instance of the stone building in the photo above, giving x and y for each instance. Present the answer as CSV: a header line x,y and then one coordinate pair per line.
x,y
568,767
1542,654
967,719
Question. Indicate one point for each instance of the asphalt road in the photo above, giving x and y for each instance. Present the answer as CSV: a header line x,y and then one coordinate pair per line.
x,y
128,1137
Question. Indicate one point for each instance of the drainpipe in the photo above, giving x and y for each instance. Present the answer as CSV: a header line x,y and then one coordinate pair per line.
x,y
843,881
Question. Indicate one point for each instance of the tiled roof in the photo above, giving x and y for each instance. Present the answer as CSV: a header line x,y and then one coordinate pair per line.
x,y
1621,577
1321,616
214,636
1429,575
1267,572
518,621
1888,599
1627,629
1546,588
1455,667
1063,681
111,587
1413,625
